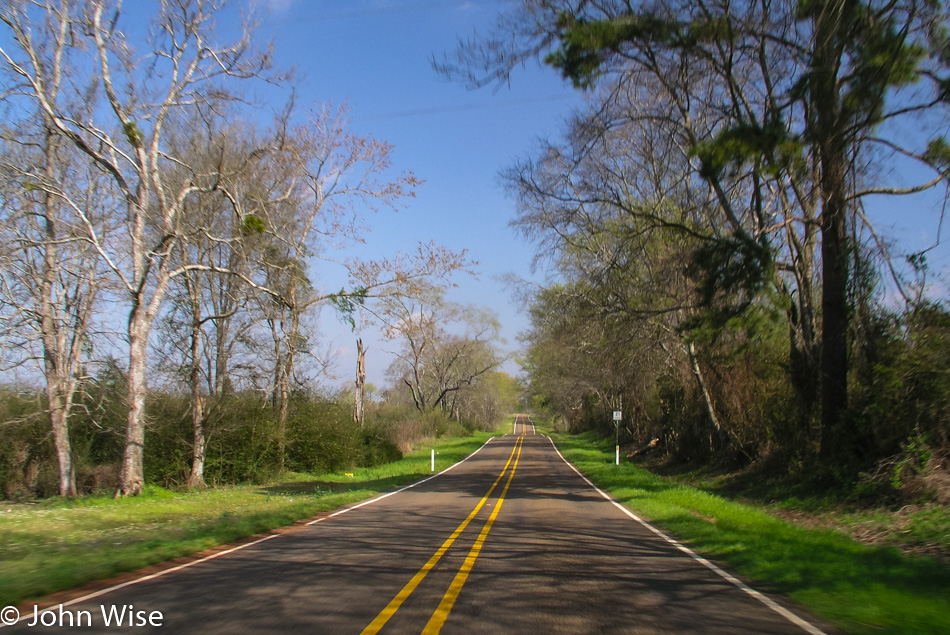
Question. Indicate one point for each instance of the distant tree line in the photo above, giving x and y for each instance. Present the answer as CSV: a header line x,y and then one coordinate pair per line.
x,y
718,278
151,213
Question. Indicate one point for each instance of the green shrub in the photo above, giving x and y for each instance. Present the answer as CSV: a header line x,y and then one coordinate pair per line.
x,y
322,437
245,442
168,440
242,442
27,454
378,448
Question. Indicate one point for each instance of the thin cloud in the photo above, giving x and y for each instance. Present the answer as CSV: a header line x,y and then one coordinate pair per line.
x,y
277,7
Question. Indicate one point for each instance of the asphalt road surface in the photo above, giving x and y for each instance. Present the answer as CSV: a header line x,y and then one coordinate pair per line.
x,y
511,540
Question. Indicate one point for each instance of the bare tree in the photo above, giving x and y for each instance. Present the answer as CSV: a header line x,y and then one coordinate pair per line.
x,y
434,363
182,68
210,302
322,183
51,275
52,198
293,194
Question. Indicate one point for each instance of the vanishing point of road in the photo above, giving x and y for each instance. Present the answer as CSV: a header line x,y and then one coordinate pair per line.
x,y
510,540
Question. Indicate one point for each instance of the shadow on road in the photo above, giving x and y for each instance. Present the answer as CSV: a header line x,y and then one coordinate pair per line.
x,y
321,487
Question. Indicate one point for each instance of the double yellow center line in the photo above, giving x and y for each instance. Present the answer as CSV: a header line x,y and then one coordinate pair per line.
x,y
448,600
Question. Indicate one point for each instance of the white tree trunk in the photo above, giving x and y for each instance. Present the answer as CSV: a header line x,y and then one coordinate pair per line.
x,y
359,413
132,478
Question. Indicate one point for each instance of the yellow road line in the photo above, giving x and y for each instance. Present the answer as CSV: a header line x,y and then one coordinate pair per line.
x,y
403,595
448,600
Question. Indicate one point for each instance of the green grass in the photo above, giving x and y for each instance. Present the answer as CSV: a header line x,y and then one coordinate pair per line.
x,y
861,589
58,544
916,524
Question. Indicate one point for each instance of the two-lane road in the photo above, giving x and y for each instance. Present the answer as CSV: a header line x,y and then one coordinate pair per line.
x,y
511,540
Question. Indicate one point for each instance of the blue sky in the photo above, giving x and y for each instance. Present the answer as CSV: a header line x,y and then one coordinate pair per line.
x,y
376,56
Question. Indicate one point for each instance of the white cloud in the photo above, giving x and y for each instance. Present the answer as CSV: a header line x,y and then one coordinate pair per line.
x,y
279,6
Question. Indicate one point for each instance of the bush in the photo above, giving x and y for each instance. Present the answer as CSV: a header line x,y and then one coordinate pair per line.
x,y
377,447
901,391
27,453
242,442
322,437
168,440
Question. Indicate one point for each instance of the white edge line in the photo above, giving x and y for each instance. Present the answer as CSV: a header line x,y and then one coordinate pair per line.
x,y
152,576
186,565
764,599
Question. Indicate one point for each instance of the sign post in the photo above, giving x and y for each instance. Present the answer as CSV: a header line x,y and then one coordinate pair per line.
x,y
618,417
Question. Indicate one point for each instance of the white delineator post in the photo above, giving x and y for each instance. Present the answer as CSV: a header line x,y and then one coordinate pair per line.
x,y
432,468
618,416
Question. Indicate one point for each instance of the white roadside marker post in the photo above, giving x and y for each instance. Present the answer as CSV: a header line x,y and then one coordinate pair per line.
x,y
432,467
618,416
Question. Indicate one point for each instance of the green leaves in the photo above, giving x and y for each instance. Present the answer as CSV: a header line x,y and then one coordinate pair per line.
x,y
730,274
579,58
347,302
586,44
938,153
252,225
877,51
881,58
745,143
133,134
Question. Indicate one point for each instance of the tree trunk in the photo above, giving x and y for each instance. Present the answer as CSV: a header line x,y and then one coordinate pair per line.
x,y
829,135
358,407
196,477
804,341
132,479
221,383
834,326
59,416
282,396
56,366
707,397
284,373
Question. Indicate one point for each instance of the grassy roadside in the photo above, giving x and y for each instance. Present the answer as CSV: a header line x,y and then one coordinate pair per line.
x,y
914,523
55,545
861,589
